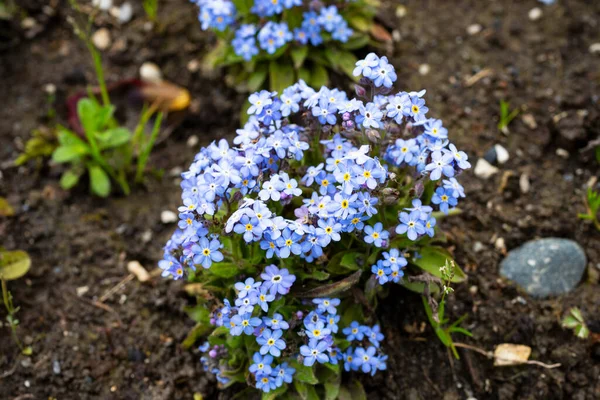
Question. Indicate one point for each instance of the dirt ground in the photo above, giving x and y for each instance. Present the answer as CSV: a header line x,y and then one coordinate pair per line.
x,y
128,346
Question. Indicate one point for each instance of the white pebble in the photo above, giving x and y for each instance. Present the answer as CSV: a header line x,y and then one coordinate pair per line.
x,y
484,169
401,11
101,38
535,14
474,29
192,141
500,245
147,236
102,4
478,247
150,72
595,48
193,65
28,23
125,13
168,217
82,290
501,154
529,120
524,184
562,153
424,69
140,272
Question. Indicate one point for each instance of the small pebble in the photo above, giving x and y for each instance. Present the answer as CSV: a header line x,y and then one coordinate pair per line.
x,y
474,29
28,23
56,367
50,89
168,217
478,247
595,48
192,141
102,4
524,184
125,13
26,362
396,36
484,169
147,236
562,153
27,384
193,66
535,14
101,39
529,120
150,72
140,272
500,245
82,290
424,69
401,11
501,154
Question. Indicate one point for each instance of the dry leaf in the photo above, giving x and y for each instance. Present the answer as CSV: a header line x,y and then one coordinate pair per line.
x,y
380,33
166,96
507,354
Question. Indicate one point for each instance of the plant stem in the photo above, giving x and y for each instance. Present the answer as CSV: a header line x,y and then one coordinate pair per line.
x,y
11,312
143,158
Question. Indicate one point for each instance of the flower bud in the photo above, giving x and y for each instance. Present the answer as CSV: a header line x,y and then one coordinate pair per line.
x,y
390,200
212,353
373,135
419,188
346,116
360,91
390,192
299,314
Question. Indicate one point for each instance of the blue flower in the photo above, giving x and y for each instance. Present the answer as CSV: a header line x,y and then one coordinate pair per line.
x,y
457,189
261,364
245,47
342,205
383,74
283,373
329,18
332,323
271,343
364,67
418,108
288,243
424,211
247,303
460,157
365,359
258,101
276,322
444,198
366,203
276,280
314,351
370,116
375,336
243,323
376,234
354,332
393,258
205,252
381,272
327,305
440,163
317,330
328,230
325,112
349,360
266,383
249,227
429,225
398,107
411,224
244,287
264,298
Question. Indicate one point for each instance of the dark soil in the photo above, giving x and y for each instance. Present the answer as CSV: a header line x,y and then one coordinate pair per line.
x,y
128,347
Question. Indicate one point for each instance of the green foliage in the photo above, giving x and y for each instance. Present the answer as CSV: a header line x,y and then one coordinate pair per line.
x,y
592,203
294,61
151,9
13,265
574,320
6,209
41,145
506,116
436,312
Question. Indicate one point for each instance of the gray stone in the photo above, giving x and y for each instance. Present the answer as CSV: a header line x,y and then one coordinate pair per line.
x,y
545,267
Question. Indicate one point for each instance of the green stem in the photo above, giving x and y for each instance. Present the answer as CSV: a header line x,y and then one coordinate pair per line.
x,y
11,312
143,158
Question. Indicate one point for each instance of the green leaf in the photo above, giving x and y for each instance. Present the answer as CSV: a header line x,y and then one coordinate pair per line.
x,y
360,23
357,391
419,287
69,179
14,264
332,288
6,209
351,261
582,331
298,55
281,76
70,152
113,138
353,312
303,373
357,41
304,74
224,269
306,392
319,77
346,61
199,314
257,78
432,258
67,137
243,6
273,394
194,334
99,180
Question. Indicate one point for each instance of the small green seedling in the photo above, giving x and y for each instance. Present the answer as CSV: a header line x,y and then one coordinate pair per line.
x,y
592,203
13,265
151,8
506,116
574,320
436,316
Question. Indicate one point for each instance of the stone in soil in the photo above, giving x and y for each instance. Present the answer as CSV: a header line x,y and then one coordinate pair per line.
x,y
545,267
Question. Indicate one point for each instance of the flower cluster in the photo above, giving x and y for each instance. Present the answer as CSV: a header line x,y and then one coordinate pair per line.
x,y
314,175
319,23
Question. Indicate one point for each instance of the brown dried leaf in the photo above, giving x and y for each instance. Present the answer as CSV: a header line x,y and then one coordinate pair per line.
x,y
380,33
507,354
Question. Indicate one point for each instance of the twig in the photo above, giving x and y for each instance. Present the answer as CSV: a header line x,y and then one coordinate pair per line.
x,y
478,76
97,304
115,288
491,356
